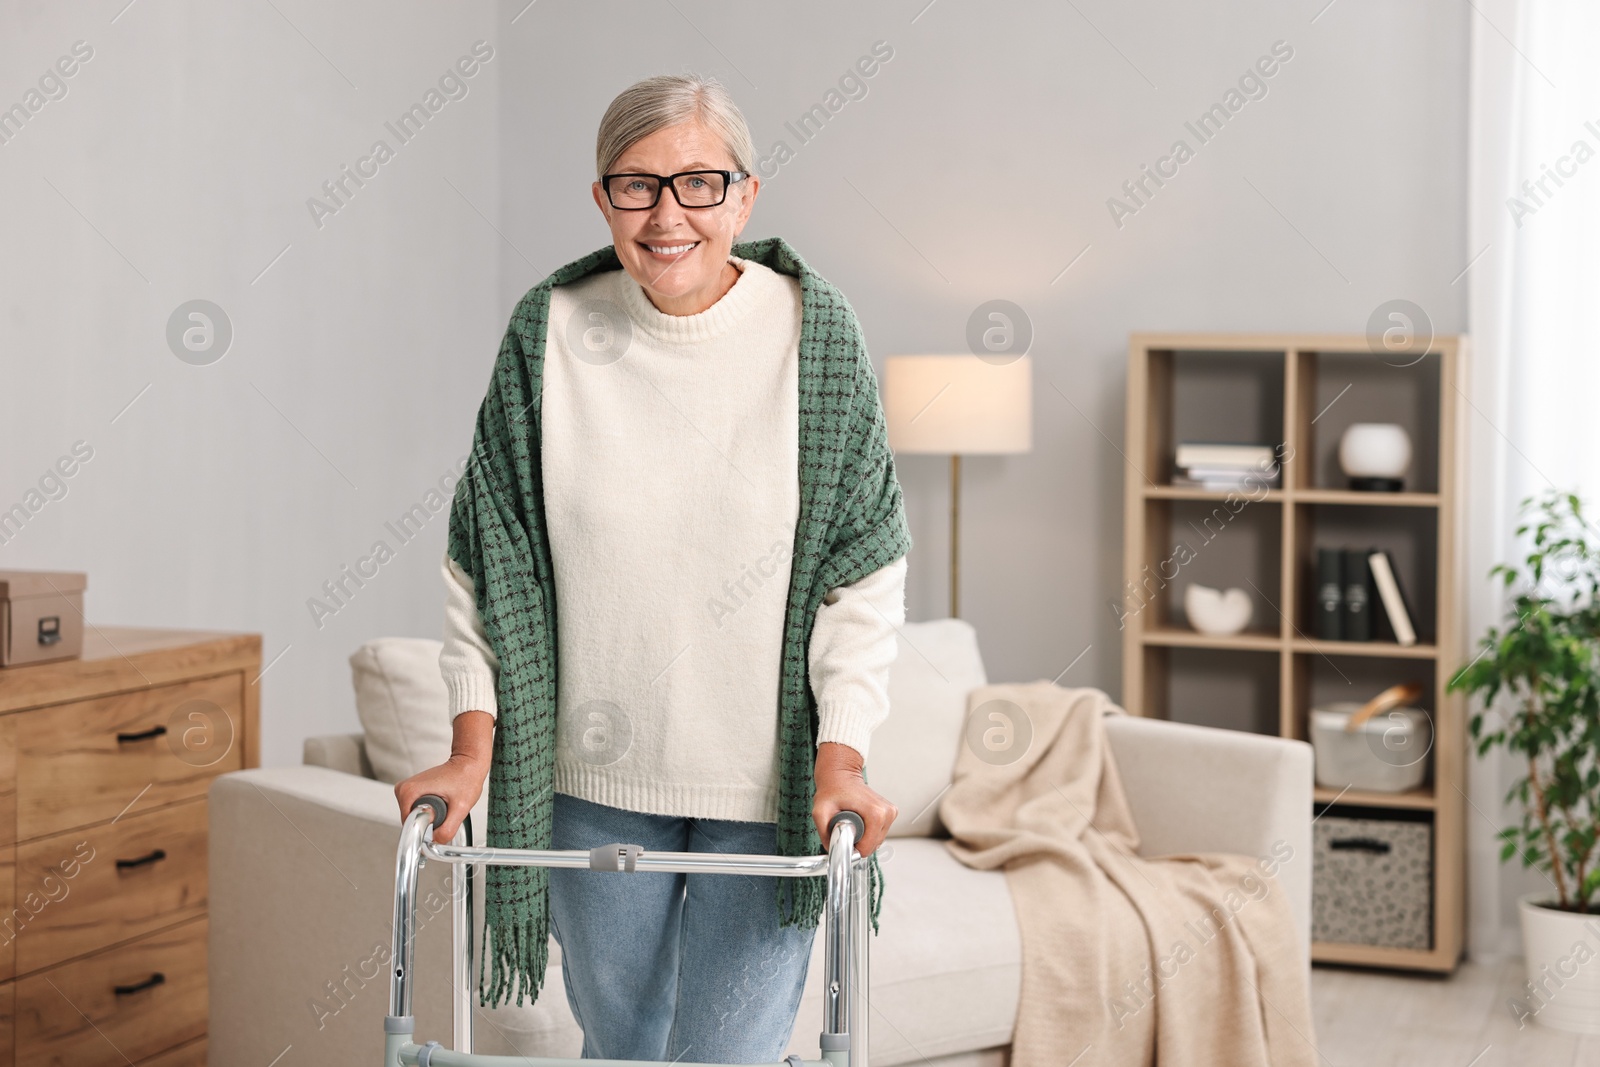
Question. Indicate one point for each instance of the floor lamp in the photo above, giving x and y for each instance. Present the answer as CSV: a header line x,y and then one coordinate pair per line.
x,y
958,405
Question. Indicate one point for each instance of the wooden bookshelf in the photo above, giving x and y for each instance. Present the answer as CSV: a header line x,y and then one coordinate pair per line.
x,y
1298,392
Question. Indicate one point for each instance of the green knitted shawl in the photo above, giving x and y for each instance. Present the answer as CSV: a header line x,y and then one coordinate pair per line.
x,y
851,523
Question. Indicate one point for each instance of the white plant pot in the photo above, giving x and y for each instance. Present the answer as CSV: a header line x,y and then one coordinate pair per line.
x,y
1562,952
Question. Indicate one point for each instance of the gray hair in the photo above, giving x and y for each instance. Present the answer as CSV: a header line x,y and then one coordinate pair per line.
x,y
667,100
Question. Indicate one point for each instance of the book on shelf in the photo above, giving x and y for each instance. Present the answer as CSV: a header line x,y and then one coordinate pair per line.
x,y
1225,467
1392,597
1268,473
1246,457
1357,591
1356,617
1240,484
1330,595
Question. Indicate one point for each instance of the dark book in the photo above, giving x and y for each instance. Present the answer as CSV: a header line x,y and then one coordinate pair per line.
x,y
1356,617
1328,625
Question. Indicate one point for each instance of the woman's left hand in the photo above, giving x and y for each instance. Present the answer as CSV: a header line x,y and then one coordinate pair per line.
x,y
840,787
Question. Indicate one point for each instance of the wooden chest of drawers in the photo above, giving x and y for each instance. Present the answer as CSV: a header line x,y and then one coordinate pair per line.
x,y
104,766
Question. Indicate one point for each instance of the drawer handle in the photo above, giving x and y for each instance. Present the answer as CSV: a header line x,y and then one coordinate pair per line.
x,y
154,857
139,987
50,629
142,735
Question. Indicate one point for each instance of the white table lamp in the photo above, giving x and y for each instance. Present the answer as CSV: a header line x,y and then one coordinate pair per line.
x,y
958,405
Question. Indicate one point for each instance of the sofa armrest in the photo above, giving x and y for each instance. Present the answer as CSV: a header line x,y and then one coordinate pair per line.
x,y
302,863
1199,789
338,752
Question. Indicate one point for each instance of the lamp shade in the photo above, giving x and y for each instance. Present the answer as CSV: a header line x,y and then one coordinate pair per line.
x,y
958,405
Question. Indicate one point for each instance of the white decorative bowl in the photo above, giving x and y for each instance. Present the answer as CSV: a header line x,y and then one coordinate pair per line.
x,y
1213,611
1375,450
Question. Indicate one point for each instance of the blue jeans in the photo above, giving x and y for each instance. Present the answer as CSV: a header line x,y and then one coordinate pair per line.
x,y
663,966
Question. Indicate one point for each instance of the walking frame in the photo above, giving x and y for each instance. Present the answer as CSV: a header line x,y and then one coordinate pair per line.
x,y
845,1001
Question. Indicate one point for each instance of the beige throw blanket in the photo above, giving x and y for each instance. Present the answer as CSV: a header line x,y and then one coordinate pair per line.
x,y
1185,961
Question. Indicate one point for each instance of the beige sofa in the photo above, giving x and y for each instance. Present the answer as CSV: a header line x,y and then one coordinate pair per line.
x,y
302,875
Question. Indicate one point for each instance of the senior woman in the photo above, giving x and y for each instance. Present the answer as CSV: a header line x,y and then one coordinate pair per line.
x,y
683,449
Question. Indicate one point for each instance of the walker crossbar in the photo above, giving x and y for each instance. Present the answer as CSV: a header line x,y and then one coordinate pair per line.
x,y
843,1040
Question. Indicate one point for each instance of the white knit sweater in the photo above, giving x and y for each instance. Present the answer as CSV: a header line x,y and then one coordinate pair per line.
x,y
671,490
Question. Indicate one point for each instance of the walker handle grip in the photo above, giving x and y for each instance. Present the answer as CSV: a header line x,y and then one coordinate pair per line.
x,y
437,803
850,817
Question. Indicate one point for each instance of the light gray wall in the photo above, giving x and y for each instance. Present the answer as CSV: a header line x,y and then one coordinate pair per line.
x,y
977,166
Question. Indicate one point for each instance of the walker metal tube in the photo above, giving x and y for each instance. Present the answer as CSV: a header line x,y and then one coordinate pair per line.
x,y
860,956
417,827
677,862
412,1055
836,991
461,955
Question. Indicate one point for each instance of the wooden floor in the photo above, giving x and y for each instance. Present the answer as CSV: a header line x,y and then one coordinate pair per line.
x,y
1376,1019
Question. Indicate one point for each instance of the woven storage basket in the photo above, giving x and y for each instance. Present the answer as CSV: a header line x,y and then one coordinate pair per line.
x,y
1372,881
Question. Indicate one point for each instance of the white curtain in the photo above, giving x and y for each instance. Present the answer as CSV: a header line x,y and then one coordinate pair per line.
x,y
1534,318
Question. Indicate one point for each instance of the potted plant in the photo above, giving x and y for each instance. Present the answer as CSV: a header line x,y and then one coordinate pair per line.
x,y
1537,681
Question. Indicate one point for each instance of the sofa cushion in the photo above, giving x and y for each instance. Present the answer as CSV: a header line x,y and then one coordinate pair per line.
x,y
914,749
946,962
401,701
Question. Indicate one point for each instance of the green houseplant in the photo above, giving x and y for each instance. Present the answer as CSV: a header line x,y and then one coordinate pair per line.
x,y
1537,684
1546,661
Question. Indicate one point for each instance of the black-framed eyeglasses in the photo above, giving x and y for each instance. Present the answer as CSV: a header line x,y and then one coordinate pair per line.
x,y
692,188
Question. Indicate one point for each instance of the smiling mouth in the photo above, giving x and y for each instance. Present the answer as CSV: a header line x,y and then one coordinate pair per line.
x,y
669,251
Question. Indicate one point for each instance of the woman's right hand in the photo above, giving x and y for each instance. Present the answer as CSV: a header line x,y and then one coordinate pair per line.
x,y
459,779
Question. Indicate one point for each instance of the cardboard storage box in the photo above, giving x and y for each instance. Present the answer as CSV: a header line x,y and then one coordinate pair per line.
x,y
41,616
